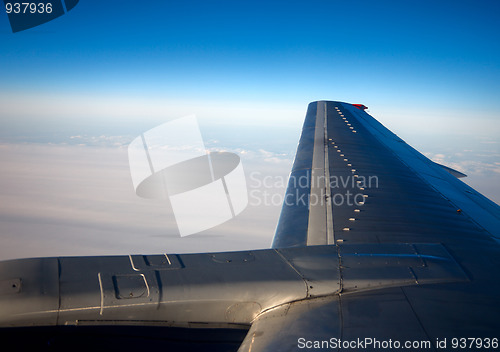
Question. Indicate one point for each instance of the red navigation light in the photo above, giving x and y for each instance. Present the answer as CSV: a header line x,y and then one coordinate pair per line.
x,y
360,106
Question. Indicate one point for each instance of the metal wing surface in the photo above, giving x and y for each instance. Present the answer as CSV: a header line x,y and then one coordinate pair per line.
x,y
377,247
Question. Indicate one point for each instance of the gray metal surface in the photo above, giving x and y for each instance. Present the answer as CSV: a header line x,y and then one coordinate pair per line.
x,y
281,329
218,288
482,211
317,231
413,255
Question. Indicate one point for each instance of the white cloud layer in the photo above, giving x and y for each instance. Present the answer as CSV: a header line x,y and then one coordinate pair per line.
x,y
74,200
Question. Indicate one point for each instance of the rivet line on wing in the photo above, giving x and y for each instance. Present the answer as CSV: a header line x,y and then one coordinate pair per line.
x,y
352,168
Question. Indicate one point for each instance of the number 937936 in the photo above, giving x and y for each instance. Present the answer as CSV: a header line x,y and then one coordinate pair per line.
x,y
28,7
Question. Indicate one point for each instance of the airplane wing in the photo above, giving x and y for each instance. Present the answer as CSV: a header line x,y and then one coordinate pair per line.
x,y
397,219
377,247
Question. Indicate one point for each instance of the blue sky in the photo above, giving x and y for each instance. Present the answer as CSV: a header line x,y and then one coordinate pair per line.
x,y
377,52
109,70
99,63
